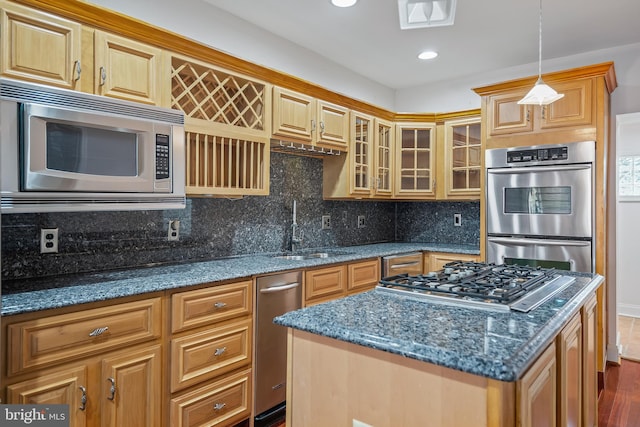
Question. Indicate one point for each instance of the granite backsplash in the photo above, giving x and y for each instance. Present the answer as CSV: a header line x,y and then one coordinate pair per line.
x,y
219,227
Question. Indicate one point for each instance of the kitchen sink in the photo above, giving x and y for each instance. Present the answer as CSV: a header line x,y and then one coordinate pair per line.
x,y
310,255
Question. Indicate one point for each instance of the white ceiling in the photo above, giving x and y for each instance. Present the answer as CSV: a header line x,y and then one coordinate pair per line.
x,y
486,35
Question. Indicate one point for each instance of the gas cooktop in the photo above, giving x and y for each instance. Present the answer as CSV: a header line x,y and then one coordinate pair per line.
x,y
500,287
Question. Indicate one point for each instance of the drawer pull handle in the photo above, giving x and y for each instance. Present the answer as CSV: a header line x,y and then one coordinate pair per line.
x,y
219,406
98,331
112,389
83,398
220,304
219,351
78,69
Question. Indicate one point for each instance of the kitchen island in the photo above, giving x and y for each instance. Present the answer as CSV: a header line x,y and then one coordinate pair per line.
x,y
389,360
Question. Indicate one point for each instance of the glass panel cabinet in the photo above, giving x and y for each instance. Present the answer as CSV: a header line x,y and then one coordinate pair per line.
x,y
416,153
463,155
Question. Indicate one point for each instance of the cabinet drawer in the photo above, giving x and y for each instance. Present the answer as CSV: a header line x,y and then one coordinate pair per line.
x,y
205,355
56,339
204,306
363,275
223,403
325,282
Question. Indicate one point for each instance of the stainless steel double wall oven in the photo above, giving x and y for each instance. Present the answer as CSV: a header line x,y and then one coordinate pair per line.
x,y
540,205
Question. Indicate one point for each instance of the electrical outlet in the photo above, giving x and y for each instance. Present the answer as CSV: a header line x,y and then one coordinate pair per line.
x,y
457,219
326,221
361,221
48,240
174,230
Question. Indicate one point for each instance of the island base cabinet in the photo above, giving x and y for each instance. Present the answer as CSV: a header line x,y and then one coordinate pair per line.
x,y
536,392
333,383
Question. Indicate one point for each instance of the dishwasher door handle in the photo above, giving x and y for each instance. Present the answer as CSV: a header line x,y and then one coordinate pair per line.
x,y
406,264
279,288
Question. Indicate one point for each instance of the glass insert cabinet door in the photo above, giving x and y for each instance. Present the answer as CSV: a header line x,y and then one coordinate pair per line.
x,y
463,145
415,148
361,153
384,146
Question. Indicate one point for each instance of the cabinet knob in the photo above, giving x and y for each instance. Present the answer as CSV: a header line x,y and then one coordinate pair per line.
x,y
220,304
219,351
112,389
83,398
219,406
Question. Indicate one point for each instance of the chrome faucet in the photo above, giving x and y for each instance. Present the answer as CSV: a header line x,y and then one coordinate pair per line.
x,y
296,237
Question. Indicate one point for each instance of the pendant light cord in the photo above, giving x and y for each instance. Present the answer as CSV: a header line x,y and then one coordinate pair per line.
x,y
540,45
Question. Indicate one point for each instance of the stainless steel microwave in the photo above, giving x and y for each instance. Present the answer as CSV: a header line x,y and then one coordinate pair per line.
x,y
62,150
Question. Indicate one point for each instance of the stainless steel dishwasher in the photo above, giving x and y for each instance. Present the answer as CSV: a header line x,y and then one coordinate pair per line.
x,y
275,295
408,263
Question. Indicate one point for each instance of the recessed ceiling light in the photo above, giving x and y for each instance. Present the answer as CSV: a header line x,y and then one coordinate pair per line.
x,y
427,54
343,3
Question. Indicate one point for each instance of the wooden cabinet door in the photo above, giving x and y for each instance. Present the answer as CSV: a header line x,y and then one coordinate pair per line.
x,y
361,154
589,368
570,374
383,158
505,115
293,114
462,159
39,47
415,161
536,392
132,389
128,69
64,387
363,276
325,283
332,126
574,109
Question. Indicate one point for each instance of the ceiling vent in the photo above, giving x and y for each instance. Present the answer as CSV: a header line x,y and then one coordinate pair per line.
x,y
426,13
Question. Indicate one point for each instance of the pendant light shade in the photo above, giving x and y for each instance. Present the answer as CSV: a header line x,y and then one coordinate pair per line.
x,y
541,93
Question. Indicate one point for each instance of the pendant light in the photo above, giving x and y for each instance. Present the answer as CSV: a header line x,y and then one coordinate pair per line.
x,y
541,93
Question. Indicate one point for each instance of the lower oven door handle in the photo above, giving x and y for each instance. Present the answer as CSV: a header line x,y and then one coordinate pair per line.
x,y
279,288
556,168
525,242
406,264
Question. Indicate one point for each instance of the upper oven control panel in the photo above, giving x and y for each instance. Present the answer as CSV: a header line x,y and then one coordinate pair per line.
x,y
537,155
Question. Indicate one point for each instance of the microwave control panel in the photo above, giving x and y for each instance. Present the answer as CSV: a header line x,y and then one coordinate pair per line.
x,y
538,155
162,156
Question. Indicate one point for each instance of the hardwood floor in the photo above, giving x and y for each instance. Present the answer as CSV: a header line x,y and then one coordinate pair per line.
x,y
619,404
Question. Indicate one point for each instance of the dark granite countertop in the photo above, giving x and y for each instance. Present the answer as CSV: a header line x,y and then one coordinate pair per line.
x,y
495,344
29,295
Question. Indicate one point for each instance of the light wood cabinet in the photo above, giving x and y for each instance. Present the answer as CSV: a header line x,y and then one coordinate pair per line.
x,y
211,352
336,281
589,363
536,396
128,69
307,120
366,170
363,276
220,403
415,161
226,129
39,47
325,283
62,387
434,261
69,359
569,357
460,164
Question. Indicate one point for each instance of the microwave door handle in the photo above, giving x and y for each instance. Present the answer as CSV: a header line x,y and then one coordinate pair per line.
x,y
558,168
525,242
